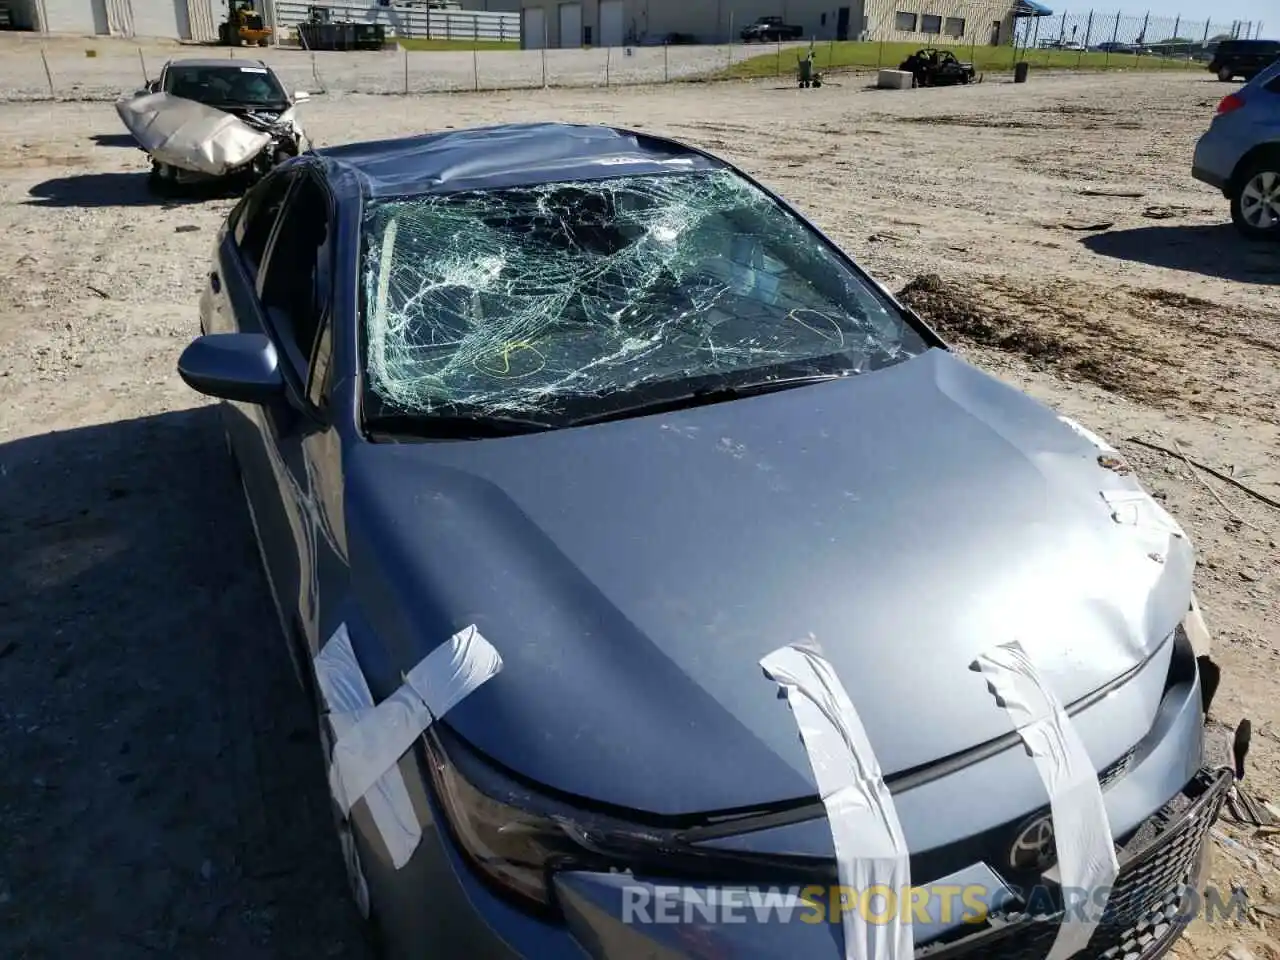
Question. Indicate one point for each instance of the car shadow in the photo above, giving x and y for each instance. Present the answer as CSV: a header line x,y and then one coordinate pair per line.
x,y
95,190
162,782
89,190
1215,250
114,140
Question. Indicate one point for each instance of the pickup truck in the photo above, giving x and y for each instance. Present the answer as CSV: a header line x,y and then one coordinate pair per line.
x,y
770,28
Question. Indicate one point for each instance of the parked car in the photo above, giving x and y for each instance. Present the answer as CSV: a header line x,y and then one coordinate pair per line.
x,y
213,119
1111,46
1240,155
930,67
770,29
1243,58
590,422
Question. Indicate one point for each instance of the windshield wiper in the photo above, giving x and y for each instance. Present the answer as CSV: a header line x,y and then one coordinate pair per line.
x,y
435,426
705,396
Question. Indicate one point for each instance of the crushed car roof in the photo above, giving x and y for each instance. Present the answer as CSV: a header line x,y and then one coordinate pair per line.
x,y
510,155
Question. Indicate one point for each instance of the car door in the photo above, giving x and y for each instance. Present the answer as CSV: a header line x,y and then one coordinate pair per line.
x,y
295,295
229,304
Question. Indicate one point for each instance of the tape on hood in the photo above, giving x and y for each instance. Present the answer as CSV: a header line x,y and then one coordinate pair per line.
x,y
348,700
1082,833
370,740
871,851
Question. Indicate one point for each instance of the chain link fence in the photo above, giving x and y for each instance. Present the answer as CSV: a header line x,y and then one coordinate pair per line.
x,y
1122,40
33,67
109,70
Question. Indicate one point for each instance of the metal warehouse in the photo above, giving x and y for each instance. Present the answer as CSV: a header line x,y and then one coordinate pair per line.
x,y
620,22
174,19
198,19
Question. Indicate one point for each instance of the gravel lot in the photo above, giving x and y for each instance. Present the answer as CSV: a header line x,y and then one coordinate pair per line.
x,y
160,792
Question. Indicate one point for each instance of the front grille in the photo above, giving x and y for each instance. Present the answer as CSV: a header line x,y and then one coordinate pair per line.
x,y
1114,771
1146,903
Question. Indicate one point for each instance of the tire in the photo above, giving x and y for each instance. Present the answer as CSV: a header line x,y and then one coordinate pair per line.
x,y
262,43
1225,74
1255,199
158,183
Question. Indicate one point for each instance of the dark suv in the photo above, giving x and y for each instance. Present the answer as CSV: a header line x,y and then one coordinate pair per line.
x,y
1243,58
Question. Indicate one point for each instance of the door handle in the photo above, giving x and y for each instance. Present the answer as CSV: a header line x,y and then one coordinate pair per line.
x,y
215,281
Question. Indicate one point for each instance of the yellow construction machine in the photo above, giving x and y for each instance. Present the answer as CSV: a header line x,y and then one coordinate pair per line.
x,y
244,26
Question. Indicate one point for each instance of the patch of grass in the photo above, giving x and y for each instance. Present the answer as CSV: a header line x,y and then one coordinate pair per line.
x,y
853,54
421,43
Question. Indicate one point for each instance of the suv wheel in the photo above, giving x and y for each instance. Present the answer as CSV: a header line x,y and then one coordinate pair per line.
x,y
1225,74
1255,201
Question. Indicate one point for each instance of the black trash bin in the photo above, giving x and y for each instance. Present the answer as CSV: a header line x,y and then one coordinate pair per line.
x,y
1020,71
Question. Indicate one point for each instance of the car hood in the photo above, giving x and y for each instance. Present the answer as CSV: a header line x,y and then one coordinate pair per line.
x,y
632,574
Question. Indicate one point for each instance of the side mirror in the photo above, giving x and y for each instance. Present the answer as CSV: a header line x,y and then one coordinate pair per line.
x,y
301,96
233,366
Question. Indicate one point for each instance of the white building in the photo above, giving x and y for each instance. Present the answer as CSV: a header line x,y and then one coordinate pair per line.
x,y
171,19
182,19
571,23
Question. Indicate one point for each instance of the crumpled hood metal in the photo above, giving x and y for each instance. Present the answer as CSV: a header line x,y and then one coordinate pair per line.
x,y
632,574
191,135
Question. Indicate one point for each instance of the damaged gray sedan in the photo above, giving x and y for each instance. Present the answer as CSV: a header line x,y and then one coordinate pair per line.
x,y
207,120
664,588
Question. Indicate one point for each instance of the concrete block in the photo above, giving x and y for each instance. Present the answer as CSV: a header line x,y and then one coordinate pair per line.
x,y
894,80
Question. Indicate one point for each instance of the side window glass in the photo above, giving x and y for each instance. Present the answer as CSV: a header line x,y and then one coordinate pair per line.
x,y
318,388
295,285
253,228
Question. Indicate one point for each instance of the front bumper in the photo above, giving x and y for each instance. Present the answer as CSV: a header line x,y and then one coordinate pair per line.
x,y
1156,894
1160,855
1163,864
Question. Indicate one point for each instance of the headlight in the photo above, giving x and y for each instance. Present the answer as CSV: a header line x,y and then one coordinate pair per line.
x,y
516,838
510,835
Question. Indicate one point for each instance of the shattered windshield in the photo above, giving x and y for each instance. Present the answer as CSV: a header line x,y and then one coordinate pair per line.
x,y
561,301
218,85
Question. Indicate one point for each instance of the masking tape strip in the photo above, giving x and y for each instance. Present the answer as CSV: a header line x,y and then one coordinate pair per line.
x,y
348,701
1082,832
871,851
374,738
1197,630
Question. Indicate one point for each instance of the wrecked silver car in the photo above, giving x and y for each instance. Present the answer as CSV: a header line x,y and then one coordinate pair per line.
x,y
203,120
663,587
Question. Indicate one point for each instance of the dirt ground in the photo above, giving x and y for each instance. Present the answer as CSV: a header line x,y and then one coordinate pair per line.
x,y
160,793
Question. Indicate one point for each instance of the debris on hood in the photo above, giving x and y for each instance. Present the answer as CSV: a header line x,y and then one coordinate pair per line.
x,y
1110,461
191,135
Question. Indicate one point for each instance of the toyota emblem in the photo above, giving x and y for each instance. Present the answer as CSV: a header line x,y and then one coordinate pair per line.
x,y
1033,849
